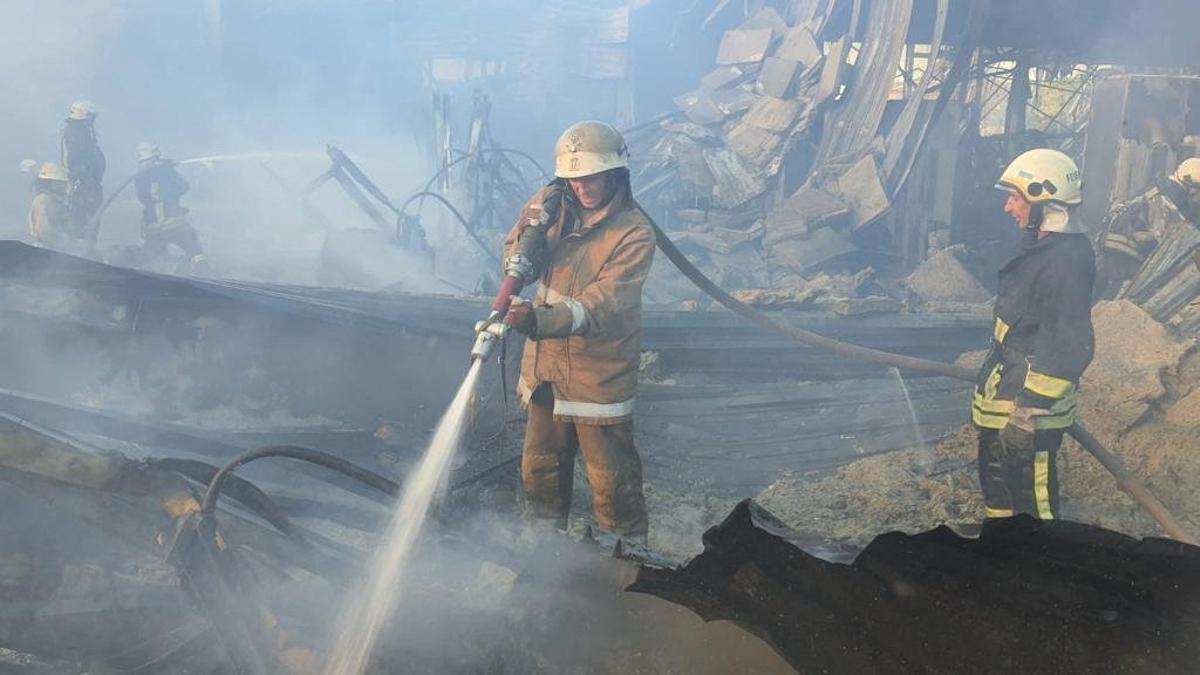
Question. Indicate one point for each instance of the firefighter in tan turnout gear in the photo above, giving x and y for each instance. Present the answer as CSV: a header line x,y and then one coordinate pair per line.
x,y
50,219
580,365
1042,342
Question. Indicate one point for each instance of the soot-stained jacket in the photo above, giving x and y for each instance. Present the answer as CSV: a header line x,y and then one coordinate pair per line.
x,y
589,309
1042,337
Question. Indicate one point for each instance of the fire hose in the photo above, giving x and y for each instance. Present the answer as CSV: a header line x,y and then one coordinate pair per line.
x,y
492,330
324,459
1126,480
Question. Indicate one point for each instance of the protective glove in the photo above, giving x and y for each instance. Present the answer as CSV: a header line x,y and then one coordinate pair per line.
x,y
1017,435
521,318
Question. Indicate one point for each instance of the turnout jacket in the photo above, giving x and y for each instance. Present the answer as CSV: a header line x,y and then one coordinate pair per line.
x,y
1042,337
159,188
80,152
588,307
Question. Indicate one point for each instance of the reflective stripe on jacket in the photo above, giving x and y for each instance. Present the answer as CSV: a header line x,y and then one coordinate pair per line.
x,y
1042,339
588,308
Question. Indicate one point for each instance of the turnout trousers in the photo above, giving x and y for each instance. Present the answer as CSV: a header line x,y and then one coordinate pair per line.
x,y
614,469
1019,482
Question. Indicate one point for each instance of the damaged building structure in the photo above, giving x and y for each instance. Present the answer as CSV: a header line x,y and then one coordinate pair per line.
x,y
197,470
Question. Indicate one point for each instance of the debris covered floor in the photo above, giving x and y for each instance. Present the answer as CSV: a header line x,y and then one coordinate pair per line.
x,y
789,588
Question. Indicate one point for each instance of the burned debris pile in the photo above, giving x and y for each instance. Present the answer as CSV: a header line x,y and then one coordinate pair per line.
x,y
778,174
1041,596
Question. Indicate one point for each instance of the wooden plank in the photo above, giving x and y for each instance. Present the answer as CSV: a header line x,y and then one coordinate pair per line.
x,y
744,46
773,114
699,106
776,77
799,45
725,76
735,183
757,146
863,191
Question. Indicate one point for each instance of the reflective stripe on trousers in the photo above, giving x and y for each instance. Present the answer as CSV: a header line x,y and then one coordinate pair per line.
x,y
1022,482
614,469
989,412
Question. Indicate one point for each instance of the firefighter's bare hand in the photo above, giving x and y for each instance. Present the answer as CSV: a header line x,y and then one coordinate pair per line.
x,y
521,318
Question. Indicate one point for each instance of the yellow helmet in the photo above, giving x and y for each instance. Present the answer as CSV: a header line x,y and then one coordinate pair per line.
x,y
82,109
147,151
1043,176
51,171
1188,173
589,148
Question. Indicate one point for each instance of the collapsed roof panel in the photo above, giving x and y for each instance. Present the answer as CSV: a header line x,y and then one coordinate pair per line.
x,y
1121,32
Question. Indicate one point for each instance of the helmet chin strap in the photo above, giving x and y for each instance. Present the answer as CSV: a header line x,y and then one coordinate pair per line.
x,y
1037,216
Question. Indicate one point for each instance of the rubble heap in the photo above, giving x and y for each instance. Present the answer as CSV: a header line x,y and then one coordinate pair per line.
x,y
1140,397
777,165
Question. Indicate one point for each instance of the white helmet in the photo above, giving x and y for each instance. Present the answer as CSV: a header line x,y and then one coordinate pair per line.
x,y
147,151
82,110
589,148
1043,176
1187,174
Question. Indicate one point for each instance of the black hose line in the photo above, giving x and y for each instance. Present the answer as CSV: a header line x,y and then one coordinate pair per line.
x,y
1128,482
324,459
457,214
486,151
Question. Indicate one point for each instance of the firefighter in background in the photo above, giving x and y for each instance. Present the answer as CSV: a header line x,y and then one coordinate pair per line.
x,y
84,163
579,371
1042,340
1133,229
160,188
50,220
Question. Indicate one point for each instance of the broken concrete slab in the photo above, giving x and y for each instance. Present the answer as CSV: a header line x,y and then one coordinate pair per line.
x,y
863,191
1134,356
744,46
869,305
734,182
777,298
776,77
821,246
808,209
943,277
744,220
799,45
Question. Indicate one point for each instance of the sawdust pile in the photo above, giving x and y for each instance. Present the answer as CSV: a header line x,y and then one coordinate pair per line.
x,y
1140,397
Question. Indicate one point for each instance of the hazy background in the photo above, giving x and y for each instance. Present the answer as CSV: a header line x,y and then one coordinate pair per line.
x,y
212,77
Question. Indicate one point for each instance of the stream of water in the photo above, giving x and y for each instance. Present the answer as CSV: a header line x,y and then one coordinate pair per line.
x,y
372,605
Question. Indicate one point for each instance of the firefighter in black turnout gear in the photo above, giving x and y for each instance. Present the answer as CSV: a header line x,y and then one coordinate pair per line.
x,y
1025,393
160,188
84,163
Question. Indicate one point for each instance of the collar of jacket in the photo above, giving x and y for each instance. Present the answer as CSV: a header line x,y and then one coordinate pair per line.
x,y
1032,243
588,220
